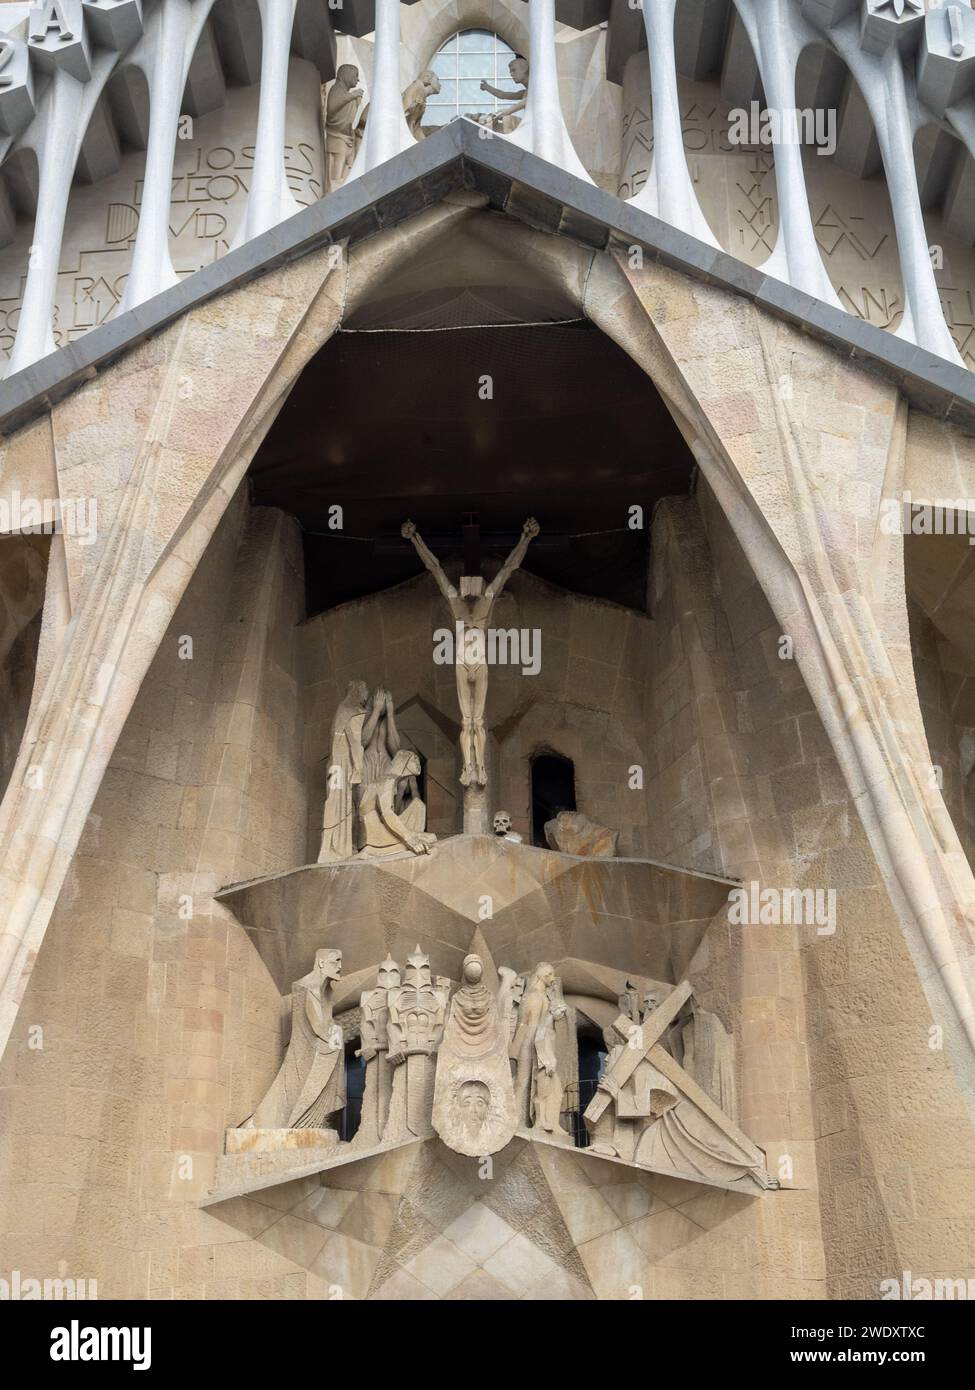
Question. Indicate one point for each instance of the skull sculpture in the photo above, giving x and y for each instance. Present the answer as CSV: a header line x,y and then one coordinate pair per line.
x,y
502,822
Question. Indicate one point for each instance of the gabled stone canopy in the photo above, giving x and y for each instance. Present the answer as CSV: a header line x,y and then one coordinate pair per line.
x,y
731,421
460,158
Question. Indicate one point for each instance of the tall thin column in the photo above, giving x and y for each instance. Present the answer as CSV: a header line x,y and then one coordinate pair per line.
x,y
63,116
668,193
386,130
166,51
270,200
776,41
543,129
884,85
58,43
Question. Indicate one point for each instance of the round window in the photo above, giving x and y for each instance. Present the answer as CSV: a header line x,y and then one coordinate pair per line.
x,y
462,64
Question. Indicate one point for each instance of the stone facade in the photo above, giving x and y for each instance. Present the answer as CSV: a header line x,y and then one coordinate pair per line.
x,y
789,712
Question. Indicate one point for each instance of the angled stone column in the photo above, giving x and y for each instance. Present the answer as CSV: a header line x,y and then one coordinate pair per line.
x,y
778,34
759,429
181,448
668,193
891,97
164,54
270,200
543,131
76,82
799,448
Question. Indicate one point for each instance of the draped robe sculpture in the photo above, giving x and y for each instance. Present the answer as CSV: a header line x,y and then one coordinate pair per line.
x,y
344,775
341,106
386,831
474,1099
369,777
638,1095
437,1064
650,1111
309,1089
538,1086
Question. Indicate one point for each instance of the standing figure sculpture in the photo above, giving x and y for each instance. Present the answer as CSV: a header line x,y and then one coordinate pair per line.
x,y
471,608
344,775
374,1035
709,1056
341,106
538,1086
415,101
473,1099
309,1089
414,1029
364,741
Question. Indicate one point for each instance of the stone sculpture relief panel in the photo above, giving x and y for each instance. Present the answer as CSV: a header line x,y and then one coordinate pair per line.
x,y
484,1061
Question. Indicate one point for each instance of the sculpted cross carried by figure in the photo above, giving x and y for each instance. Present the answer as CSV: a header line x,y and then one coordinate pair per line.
x,y
489,1061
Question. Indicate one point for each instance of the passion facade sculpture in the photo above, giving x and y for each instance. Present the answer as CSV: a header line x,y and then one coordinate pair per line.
x,y
471,607
416,1018
415,100
309,1089
650,1110
491,1061
533,1050
343,133
372,805
508,118
341,108
474,1109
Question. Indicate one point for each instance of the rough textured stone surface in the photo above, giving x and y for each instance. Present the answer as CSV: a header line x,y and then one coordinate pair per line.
x,y
573,833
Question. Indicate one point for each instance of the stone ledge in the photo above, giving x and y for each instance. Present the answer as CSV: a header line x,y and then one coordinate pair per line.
x,y
529,189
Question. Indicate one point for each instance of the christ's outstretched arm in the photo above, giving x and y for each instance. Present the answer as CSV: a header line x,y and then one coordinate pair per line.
x,y
529,531
409,532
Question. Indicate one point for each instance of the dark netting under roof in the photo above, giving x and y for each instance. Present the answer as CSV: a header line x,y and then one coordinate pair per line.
x,y
468,307
392,424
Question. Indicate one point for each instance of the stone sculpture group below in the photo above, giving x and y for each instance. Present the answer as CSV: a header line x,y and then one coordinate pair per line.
x,y
372,805
489,1061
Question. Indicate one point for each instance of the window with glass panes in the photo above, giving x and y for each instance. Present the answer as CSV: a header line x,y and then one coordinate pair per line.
x,y
461,65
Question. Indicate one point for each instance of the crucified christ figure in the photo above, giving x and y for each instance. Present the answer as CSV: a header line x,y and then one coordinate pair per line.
x,y
471,608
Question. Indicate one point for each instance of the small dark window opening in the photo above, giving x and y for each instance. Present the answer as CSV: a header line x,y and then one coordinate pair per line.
x,y
592,1060
553,781
355,1085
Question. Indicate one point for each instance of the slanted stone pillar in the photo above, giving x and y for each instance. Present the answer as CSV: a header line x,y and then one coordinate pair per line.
x,y
162,481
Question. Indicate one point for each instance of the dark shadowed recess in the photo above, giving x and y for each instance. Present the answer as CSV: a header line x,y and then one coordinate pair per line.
x,y
392,424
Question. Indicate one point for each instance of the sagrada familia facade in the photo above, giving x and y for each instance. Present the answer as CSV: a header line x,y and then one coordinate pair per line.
x,y
487,648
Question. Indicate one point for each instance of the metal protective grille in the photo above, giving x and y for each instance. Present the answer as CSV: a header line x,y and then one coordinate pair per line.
x,y
461,65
